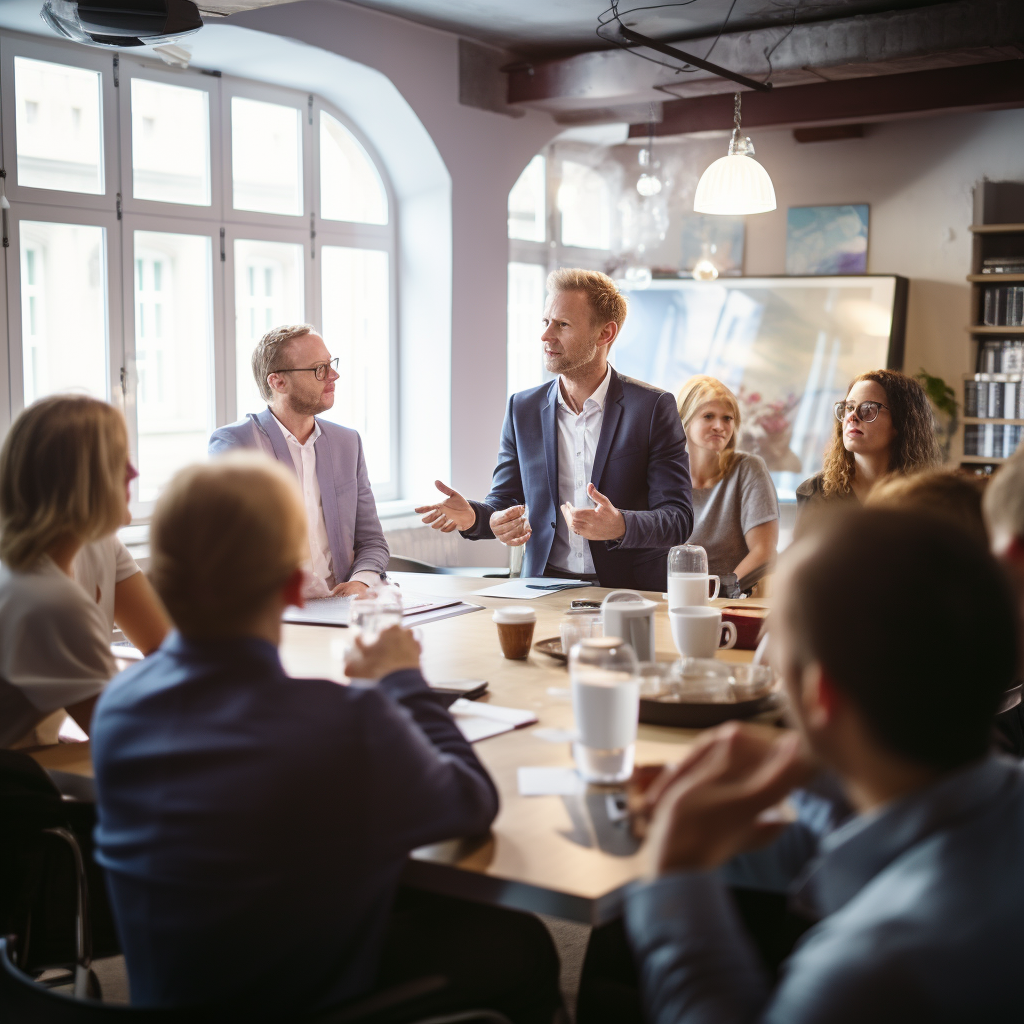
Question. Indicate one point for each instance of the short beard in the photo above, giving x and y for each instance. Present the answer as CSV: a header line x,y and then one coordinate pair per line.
x,y
567,367
307,407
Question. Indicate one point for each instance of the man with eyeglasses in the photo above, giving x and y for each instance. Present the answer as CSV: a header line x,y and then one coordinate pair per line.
x,y
295,374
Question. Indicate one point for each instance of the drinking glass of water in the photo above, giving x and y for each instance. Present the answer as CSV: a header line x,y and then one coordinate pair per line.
x,y
372,612
605,683
688,577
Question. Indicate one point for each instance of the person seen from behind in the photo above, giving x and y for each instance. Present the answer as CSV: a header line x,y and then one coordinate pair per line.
x,y
918,899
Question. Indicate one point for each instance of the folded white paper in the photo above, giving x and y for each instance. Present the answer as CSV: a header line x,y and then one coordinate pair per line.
x,y
477,721
549,782
529,588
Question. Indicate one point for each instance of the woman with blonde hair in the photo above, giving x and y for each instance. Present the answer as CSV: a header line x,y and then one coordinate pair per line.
x,y
883,427
735,507
65,577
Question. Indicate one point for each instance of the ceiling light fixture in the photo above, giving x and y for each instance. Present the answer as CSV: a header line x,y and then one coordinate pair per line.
x,y
120,23
736,184
648,184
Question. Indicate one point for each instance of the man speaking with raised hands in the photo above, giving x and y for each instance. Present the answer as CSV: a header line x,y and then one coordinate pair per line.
x,y
598,459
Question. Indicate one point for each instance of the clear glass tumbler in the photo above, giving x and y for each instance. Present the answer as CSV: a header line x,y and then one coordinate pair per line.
x,y
688,577
605,684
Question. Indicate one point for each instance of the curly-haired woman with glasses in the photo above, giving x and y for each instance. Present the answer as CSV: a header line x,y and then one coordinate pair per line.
x,y
884,426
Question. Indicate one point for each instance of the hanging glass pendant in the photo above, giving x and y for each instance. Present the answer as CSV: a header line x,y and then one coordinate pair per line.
x,y
736,184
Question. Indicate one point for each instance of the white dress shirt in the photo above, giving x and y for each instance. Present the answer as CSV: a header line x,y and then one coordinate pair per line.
x,y
577,446
321,580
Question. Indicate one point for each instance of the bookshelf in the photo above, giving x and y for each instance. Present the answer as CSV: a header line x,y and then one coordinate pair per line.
x,y
993,394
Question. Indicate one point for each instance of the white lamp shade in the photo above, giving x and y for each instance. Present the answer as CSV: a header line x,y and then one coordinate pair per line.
x,y
734,185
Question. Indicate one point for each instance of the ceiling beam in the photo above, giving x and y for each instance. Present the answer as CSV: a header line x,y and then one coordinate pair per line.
x,y
960,32
996,86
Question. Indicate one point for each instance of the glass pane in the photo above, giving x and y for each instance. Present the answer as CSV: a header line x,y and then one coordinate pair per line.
x,y
357,329
350,187
63,309
525,308
173,353
59,126
585,206
268,293
266,157
170,143
526,203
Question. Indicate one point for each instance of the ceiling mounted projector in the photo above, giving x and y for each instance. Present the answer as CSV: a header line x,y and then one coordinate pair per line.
x,y
117,23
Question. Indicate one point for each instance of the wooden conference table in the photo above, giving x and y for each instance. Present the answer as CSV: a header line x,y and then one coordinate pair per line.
x,y
568,856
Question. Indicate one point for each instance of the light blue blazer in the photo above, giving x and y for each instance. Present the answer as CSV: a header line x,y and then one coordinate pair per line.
x,y
350,512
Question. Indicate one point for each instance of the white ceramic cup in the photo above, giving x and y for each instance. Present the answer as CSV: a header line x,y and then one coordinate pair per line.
x,y
697,631
691,588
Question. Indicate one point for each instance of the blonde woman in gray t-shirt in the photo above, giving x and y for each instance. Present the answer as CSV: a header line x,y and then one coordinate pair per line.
x,y
735,507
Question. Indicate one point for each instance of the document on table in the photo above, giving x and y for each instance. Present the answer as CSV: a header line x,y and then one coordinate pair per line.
x,y
549,782
529,588
478,721
333,611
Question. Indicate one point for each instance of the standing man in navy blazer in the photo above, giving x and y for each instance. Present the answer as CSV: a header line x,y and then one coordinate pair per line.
x,y
598,459
296,374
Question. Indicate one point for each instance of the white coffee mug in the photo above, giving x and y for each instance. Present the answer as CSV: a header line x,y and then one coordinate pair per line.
x,y
697,631
691,588
629,615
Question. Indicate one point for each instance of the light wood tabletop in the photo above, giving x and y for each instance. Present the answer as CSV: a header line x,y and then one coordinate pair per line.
x,y
571,856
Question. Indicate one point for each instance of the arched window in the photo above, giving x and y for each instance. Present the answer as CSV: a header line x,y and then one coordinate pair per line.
x,y
243,207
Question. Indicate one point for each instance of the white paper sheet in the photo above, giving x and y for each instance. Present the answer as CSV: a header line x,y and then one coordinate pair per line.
x,y
477,721
529,588
333,611
549,782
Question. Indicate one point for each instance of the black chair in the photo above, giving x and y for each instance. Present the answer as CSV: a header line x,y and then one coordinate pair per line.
x,y
400,563
24,1001
45,868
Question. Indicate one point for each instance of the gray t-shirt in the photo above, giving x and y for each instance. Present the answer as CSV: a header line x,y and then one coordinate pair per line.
x,y
722,514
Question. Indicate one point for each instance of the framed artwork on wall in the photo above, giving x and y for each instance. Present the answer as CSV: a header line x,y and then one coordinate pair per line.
x,y
787,347
827,240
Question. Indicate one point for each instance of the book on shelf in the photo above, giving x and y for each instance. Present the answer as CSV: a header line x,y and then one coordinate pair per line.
x,y
1003,306
1001,355
991,440
994,396
1003,265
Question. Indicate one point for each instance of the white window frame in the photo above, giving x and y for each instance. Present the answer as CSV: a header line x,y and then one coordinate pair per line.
x,y
112,244
12,46
210,84
310,296
121,214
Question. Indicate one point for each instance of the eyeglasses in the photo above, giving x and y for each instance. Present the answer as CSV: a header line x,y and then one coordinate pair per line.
x,y
320,369
866,411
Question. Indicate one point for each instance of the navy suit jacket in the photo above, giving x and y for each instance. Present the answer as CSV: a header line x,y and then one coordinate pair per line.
x,y
253,826
640,465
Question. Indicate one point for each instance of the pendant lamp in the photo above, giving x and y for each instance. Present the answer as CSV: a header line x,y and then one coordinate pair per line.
x,y
736,184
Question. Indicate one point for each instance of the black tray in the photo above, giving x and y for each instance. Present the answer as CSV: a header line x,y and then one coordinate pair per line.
x,y
700,716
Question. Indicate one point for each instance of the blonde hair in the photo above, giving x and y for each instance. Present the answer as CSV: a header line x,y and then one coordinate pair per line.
x,y
1003,503
607,303
698,391
225,537
269,350
62,475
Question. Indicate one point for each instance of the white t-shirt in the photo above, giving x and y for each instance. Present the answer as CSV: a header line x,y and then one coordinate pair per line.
x,y
54,642
98,568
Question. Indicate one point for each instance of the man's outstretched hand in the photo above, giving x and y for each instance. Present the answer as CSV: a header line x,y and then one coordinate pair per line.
x,y
454,513
709,807
602,522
